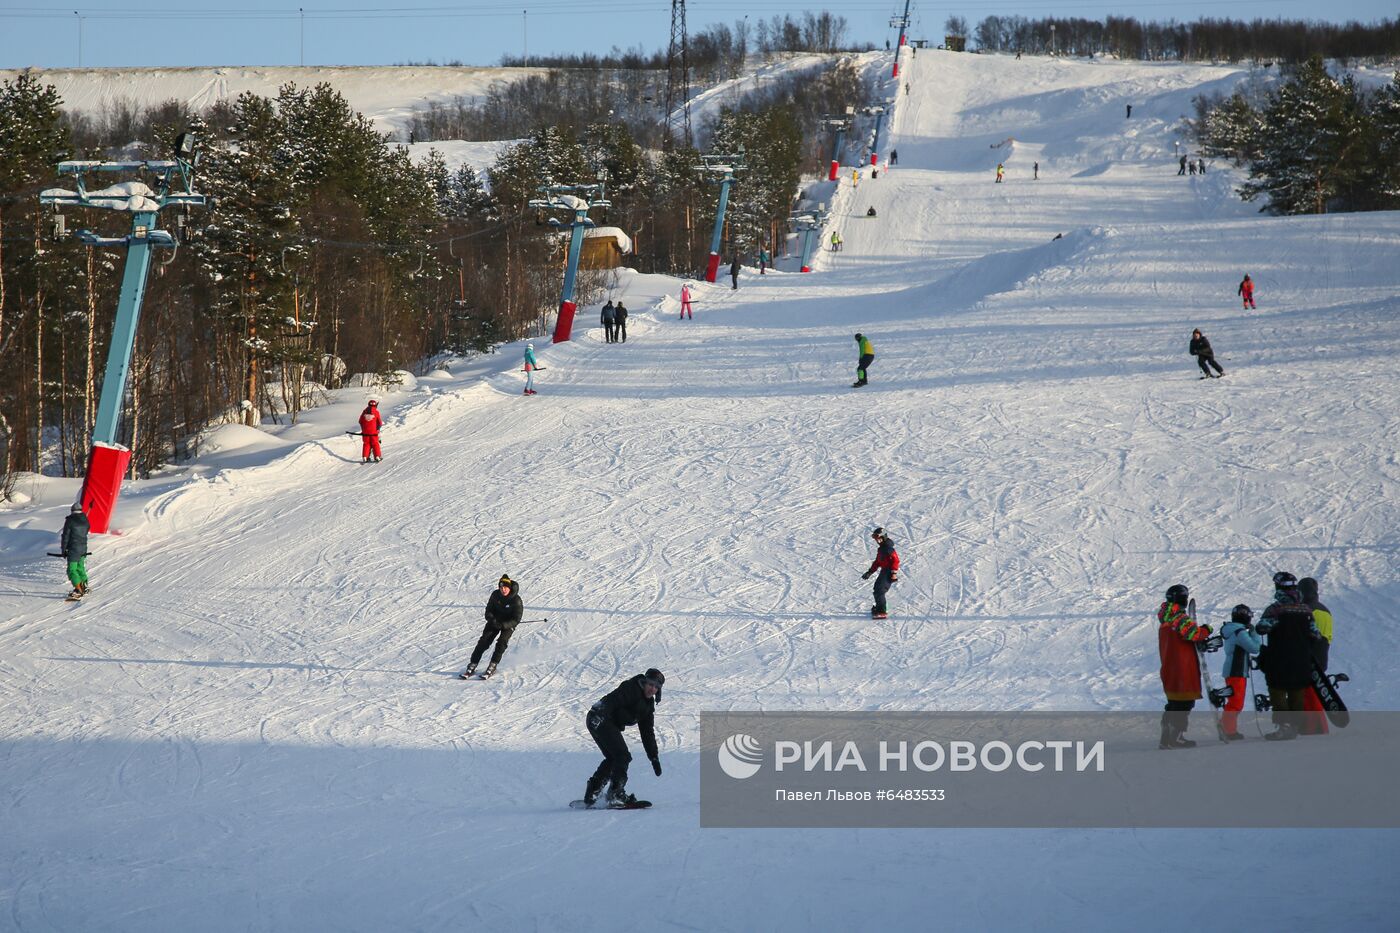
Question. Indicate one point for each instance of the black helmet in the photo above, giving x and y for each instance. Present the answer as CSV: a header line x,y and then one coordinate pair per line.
x,y
1178,594
1308,586
653,676
1242,614
858,336
1284,580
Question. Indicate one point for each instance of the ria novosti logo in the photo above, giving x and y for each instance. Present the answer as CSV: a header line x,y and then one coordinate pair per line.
x,y
741,756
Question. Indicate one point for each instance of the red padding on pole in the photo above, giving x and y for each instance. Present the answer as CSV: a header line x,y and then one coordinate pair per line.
x,y
896,70
712,267
835,167
874,159
564,327
106,466
806,268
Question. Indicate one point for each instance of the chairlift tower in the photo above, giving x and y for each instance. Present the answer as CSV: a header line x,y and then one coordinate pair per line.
x,y
808,223
677,115
878,111
721,168
157,185
576,201
903,23
840,124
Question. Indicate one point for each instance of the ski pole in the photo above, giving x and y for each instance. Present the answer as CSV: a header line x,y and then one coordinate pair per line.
x,y
523,621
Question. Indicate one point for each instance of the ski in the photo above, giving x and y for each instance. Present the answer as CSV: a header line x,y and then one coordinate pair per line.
x,y
635,805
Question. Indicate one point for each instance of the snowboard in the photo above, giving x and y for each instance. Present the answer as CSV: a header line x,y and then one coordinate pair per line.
x,y
581,805
1216,697
78,599
1326,687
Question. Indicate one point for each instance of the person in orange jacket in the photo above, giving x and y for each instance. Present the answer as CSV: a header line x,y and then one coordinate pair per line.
x,y
1177,635
370,423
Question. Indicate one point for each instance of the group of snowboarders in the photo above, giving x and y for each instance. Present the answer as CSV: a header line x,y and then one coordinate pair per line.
x,y
1289,643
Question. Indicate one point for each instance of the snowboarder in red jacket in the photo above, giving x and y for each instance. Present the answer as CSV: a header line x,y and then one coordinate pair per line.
x,y
887,563
370,423
1177,635
1246,292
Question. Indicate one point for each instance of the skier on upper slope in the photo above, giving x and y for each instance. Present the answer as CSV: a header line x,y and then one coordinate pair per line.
x,y
887,564
1177,634
503,613
370,423
633,703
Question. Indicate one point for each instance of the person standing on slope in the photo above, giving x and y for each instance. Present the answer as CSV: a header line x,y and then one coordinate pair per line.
x,y
894,156
531,364
886,563
633,703
609,321
765,259
686,311
1240,642
867,356
1286,658
1182,170
1246,292
370,423
835,241
734,272
1177,634
1316,721
1001,170
620,313
1205,356
73,545
503,612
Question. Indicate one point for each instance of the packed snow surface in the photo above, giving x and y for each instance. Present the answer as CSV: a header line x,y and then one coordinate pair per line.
x,y
253,721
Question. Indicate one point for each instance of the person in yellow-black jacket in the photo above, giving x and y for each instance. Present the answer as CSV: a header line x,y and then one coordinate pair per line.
x,y
1315,723
1177,634
867,356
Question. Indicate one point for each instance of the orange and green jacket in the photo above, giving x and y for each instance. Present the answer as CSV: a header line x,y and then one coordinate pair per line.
x,y
1176,645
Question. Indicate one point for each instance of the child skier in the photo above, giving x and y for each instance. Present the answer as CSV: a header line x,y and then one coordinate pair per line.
x,y
686,311
503,612
1177,634
73,545
370,423
1001,170
1246,292
1240,642
530,366
887,563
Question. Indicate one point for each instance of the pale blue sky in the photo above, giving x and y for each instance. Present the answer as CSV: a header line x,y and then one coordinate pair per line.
x,y
374,32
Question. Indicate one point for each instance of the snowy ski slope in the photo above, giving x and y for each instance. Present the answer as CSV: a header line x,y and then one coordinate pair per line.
x,y
253,722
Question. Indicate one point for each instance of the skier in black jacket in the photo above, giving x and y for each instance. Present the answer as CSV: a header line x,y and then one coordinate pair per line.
x,y
1286,659
503,612
633,703
1205,356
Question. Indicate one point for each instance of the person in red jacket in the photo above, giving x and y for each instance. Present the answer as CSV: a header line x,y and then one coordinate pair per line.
x,y
370,423
887,563
1177,635
1246,292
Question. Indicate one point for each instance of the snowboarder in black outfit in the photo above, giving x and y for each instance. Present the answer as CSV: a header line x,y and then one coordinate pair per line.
x,y
73,545
620,316
1205,356
1287,657
734,272
503,612
894,156
887,564
633,703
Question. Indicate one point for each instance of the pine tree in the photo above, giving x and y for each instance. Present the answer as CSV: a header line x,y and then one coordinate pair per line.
x,y
1310,144
1385,118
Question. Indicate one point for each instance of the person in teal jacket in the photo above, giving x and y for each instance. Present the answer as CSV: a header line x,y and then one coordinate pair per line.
x,y
530,366
867,356
1240,643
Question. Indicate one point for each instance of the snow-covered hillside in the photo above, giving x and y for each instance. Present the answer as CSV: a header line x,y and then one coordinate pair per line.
x,y
254,723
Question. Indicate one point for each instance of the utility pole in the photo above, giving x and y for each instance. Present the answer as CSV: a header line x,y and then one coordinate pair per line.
x,y
525,36
577,201
723,166
80,37
301,56
840,124
903,23
108,460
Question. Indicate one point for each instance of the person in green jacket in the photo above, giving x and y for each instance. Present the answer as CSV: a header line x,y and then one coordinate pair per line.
x,y
867,356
